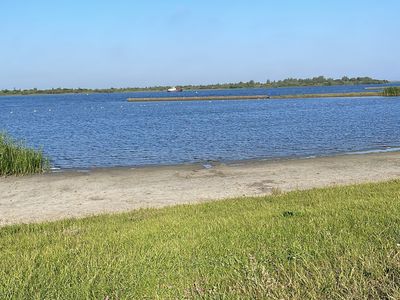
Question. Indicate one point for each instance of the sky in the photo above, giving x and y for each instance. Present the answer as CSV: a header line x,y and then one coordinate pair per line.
x,y
102,44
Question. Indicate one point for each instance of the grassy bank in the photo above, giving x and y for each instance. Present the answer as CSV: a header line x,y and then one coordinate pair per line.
x,y
333,243
17,159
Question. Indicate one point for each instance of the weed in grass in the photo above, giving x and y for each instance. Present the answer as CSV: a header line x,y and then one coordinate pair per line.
x,y
288,214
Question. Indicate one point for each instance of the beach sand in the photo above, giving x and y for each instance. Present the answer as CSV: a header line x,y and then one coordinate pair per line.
x,y
76,194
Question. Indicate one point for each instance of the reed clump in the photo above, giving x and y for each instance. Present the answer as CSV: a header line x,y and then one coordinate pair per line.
x,y
17,159
391,91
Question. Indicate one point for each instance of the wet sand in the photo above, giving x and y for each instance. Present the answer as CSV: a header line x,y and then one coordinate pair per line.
x,y
76,194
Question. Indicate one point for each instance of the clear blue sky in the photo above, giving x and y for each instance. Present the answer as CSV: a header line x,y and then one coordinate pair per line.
x,y
119,43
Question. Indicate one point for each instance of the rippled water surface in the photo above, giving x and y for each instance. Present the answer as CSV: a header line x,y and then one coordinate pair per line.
x,y
102,130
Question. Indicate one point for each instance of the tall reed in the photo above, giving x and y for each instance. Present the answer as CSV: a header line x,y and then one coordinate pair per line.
x,y
391,91
17,159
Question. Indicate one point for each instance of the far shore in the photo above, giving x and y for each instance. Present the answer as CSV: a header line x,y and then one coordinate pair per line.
x,y
62,195
286,83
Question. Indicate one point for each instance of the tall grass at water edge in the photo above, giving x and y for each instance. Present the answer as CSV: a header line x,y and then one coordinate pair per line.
x,y
391,91
17,159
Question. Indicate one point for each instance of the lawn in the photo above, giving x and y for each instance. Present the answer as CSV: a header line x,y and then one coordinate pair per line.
x,y
332,243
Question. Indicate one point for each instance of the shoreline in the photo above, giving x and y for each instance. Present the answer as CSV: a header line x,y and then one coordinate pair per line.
x,y
61,195
212,163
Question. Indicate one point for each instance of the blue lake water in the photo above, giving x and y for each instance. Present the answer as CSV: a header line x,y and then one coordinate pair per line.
x,y
104,130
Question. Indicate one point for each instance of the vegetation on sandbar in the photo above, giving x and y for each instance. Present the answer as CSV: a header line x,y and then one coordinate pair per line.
x,y
331,243
393,91
289,82
254,97
17,159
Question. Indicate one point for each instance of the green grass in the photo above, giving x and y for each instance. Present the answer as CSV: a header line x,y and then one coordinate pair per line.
x,y
391,91
332,243
17,159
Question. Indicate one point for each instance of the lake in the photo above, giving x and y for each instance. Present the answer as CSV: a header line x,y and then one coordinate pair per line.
x,y
104,130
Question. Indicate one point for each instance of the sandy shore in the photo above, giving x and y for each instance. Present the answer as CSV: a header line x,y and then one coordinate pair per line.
x,y
73,194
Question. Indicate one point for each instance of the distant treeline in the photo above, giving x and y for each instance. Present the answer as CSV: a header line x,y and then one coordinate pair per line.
x,y
289,82
292,82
